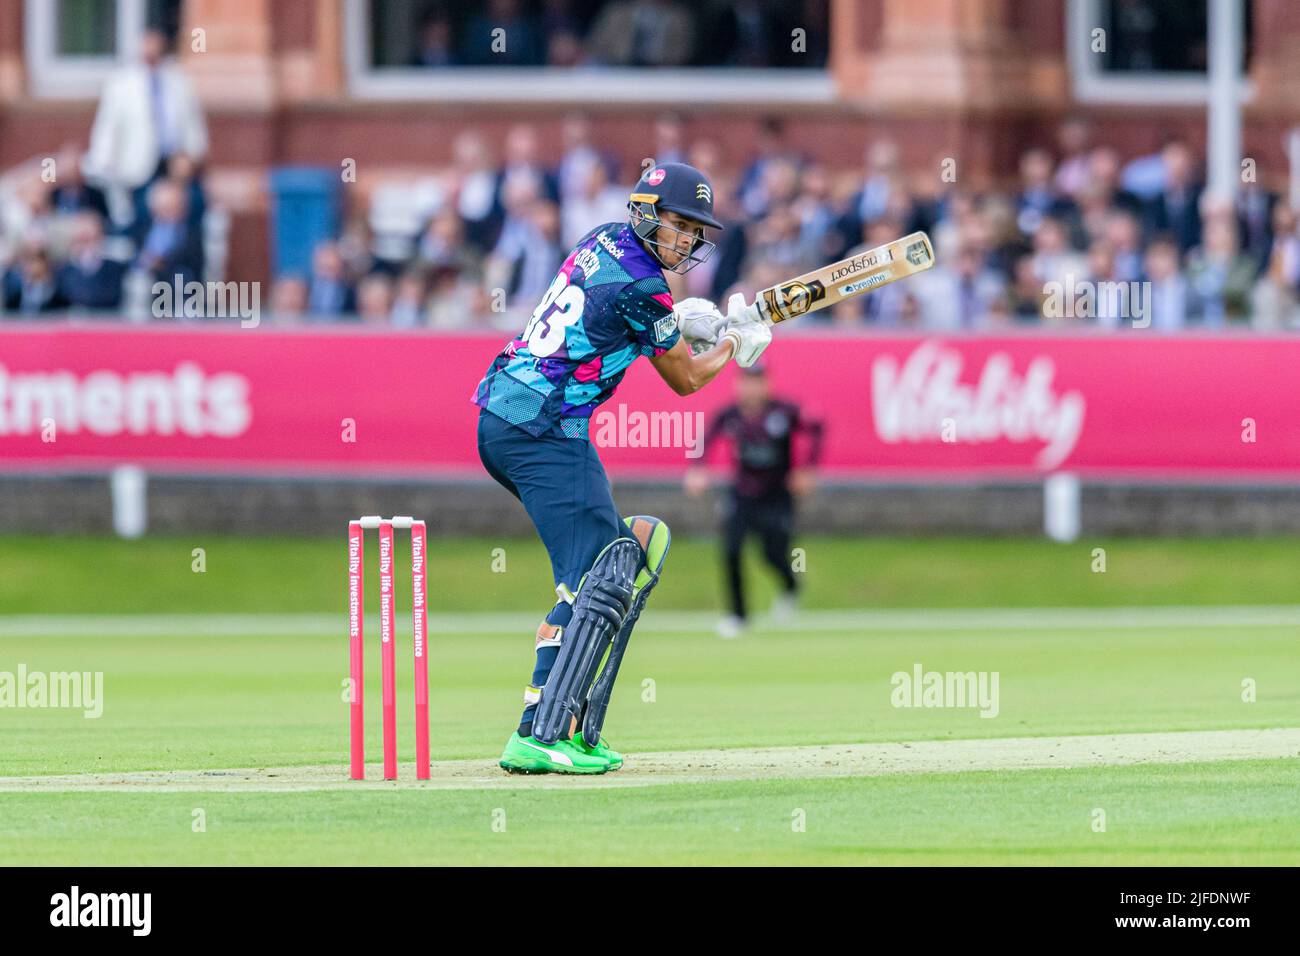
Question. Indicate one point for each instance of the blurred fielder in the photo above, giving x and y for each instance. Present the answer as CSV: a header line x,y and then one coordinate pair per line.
x,y
608,305
763,432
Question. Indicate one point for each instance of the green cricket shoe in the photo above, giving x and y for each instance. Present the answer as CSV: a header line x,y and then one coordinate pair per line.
x,y
529,755
612,757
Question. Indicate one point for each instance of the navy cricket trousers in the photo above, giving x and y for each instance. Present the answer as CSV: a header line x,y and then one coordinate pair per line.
x,y
562,486
564,489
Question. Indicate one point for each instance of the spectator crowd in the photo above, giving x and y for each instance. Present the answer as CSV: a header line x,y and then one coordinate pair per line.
x,y
475,244
83,231
496,230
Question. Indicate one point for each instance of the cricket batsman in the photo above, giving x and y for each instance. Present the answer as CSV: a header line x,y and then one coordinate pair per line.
x,y
608,305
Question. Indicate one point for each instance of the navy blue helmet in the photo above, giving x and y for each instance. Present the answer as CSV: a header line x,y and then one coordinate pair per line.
x,y
679,188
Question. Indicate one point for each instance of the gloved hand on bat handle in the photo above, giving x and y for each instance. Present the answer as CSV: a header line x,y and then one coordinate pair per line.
x,y
699,321
750,335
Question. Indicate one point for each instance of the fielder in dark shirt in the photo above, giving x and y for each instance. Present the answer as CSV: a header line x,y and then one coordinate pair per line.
x,y
771,467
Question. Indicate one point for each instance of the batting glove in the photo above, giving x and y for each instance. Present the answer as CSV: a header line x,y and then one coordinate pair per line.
x,y
699,321
748,333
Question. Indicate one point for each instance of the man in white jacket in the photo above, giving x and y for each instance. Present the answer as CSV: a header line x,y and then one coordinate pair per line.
x,y
148,112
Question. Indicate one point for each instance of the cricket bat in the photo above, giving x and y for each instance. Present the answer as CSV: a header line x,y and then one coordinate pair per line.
x,y
842,280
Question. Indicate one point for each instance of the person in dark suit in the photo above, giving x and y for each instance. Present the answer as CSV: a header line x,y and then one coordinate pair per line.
x,y
88,281
1038,197
523,162
172,246
1255,205
1176,208
330,294
29,285
71,193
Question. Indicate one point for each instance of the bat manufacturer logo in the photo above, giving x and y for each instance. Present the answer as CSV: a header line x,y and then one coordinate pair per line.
x,y
793,299
656,177
852,266
917,254
702,191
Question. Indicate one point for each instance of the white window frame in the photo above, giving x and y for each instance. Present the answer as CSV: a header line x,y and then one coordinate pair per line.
x,y
485,84
1092,84
51,75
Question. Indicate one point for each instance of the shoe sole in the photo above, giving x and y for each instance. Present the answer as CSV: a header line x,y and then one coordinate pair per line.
x,y
539,766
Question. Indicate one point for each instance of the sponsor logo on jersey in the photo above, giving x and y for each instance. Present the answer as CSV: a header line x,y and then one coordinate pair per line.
x,y
610,246
665,327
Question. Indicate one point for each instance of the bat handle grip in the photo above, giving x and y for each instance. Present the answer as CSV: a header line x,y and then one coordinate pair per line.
x,y
759,313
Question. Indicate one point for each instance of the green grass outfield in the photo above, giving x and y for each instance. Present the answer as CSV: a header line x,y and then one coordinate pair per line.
x,y
241,666
39,575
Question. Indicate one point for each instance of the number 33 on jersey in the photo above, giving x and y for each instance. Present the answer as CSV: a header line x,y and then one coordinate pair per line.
x,y
608,305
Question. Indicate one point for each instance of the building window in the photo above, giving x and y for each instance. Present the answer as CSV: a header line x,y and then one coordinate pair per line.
x,y
1161,36
1154,51
73,45
615,50
86,27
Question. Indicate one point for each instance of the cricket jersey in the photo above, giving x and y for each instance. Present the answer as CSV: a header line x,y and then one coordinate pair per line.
x,y
763,447
607,305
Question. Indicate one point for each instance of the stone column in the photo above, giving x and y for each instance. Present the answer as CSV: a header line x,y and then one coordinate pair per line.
x,y
946,54
1275,68
13,81
236,68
